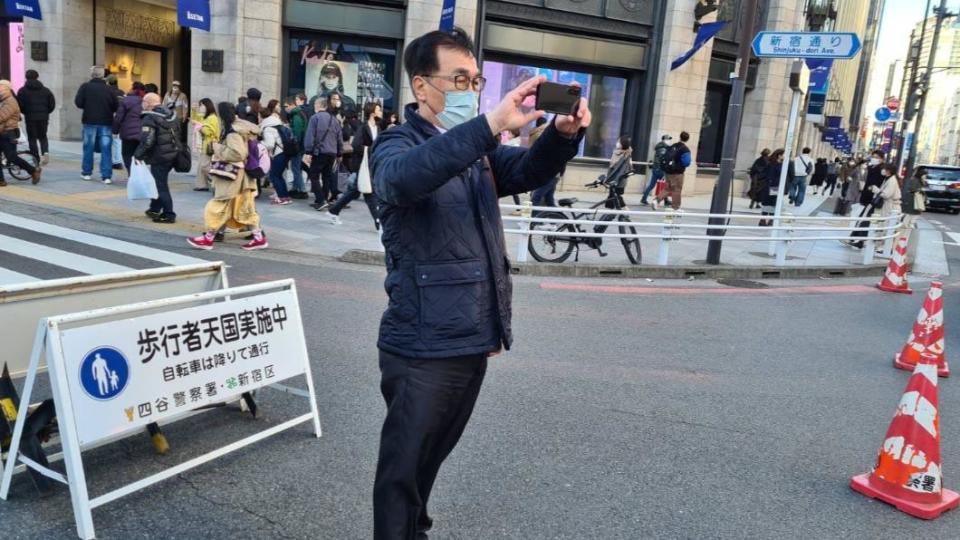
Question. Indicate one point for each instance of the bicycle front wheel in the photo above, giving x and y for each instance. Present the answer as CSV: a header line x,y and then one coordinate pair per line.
x,y
630,245
16,171
550,248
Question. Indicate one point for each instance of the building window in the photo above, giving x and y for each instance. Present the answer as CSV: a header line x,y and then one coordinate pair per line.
x,y
362,71
605,95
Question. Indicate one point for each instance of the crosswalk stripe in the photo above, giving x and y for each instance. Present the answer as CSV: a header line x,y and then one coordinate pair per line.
x,y
9,276
58,257
955,236
99,241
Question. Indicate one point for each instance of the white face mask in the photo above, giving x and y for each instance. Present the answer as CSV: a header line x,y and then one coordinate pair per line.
x,y
619,147
874,161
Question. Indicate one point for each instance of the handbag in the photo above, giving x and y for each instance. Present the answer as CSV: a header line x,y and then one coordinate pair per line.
x,y
364,183
183,160
343,179
919,201
12,134
141,184
877,202
224,170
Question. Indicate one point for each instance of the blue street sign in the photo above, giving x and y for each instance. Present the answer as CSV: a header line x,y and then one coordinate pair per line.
x,y
806,45
882,114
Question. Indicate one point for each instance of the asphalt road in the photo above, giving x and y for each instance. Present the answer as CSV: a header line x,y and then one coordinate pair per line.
x,y
669,410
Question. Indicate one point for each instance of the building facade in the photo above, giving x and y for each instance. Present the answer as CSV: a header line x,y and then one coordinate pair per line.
x,y
619,50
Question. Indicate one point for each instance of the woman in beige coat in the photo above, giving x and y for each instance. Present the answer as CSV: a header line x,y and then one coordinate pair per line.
x,y
233,203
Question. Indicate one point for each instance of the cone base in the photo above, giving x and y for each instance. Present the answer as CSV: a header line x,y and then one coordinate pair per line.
x,y
942,371
949,499
887,288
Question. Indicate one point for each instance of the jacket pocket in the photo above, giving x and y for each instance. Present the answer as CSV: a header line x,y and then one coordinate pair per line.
x,y
451,299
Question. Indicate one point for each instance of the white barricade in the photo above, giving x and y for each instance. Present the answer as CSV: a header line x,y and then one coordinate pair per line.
x,y
114,370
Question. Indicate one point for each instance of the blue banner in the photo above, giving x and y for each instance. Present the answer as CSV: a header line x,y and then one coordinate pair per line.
x,y
834,121
194,14
446,15
23,8
819,74
705,34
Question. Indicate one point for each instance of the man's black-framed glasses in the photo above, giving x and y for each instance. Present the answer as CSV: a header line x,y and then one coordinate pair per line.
x,y
463,82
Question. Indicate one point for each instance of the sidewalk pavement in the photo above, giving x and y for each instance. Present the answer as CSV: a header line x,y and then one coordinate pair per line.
x,y
301,229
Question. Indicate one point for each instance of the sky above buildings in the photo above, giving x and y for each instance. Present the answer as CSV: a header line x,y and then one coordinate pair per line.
x,y
899,18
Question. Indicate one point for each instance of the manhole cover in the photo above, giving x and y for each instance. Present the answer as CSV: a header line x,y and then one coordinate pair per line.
x,y
743,283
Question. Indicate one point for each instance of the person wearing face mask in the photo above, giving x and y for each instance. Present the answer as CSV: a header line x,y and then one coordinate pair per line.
x,y
873,177
771,178
439,177
323,143
330,83
176,100
362,142
913,205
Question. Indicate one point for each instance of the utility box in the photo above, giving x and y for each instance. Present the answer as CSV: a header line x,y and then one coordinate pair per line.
x,y
799,77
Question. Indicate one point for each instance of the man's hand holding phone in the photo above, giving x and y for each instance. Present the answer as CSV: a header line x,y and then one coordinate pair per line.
x,y
508,116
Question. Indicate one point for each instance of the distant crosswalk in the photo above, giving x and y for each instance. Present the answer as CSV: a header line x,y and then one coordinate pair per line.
x,y
32,250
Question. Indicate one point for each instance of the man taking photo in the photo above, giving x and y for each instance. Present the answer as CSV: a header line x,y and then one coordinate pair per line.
x,y
439,177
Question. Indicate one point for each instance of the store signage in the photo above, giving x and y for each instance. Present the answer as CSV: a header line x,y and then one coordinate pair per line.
x,y
132,372
23,8
447,14
211,60
38,51
194,14
806,45
819,74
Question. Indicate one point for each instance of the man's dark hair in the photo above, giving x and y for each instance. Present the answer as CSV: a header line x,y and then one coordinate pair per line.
x,y
806,150
684,136
32,75
253,93
137,85
878,153
151,88
420,57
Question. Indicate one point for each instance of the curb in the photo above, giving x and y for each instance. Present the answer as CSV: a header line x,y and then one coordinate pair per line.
x,y
360,256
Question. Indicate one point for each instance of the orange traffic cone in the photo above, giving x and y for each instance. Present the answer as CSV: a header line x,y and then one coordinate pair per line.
x,y
908,474
895,278
927,334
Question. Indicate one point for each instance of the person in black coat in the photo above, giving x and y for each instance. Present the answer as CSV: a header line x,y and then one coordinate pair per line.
x,y
36,104
363,140
758,175
771,178
448,275
158,148
874,177
98,103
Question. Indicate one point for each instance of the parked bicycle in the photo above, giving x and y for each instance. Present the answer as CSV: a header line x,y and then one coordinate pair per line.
x,y
557,249
14,170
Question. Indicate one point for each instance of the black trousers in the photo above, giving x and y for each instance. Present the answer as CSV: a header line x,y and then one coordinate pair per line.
x,y
37,132
429,402
353,194
127,148
9,148
321,167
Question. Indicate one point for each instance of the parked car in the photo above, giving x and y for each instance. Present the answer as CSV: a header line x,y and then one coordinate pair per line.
x,y
943,190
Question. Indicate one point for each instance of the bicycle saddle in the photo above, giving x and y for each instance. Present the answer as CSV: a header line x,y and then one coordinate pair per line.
x,y
568,202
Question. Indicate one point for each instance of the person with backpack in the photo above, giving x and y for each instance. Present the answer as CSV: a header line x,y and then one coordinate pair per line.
x,y
159,146
249,109
275,135
324,143
233,203
656,166
362,143
675,162
802,168
298,125
10,132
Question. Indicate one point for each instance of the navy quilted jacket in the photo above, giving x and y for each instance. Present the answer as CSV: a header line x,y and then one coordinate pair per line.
x,y
448,278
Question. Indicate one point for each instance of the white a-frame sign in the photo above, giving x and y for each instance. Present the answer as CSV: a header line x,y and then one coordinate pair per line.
x,y
115,370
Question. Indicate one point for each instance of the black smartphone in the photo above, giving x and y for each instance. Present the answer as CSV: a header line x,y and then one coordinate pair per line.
x,y
557,98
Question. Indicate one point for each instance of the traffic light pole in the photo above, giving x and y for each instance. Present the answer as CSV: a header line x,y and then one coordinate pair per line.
x,y
731,134
912,154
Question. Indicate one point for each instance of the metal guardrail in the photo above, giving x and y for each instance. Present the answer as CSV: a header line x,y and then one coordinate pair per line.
x,y
671,228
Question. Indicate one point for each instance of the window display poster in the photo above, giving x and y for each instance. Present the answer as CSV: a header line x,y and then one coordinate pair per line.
x,y
323,77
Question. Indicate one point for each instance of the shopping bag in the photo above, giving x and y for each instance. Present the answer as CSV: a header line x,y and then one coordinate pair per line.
x,y
661,187
364,184
141,184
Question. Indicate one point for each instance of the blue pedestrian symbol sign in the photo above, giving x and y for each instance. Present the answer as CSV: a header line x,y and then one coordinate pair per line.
x,y
882,114
104,373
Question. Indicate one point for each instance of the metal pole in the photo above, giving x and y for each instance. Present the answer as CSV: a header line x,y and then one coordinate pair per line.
x,y
910,88
731,135
788,155
912,155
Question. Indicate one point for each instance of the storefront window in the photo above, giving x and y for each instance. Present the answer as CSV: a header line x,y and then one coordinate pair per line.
x,y
604,93
319,65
